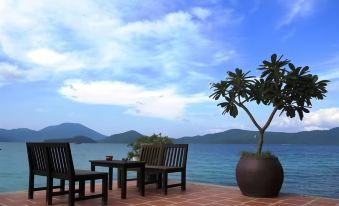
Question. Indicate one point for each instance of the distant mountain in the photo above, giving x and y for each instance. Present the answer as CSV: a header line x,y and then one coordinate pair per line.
x,y
76,139
65,130
233,136
18,134
74,132
125,137
237,136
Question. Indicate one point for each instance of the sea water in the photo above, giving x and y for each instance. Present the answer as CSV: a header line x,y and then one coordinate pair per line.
x,y
309,170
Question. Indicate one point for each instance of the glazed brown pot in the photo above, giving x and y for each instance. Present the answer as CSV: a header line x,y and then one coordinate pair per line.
x,y
259,176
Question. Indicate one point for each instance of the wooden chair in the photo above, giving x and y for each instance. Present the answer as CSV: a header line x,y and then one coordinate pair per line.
x,y
151,155
37,161
60,165
173,159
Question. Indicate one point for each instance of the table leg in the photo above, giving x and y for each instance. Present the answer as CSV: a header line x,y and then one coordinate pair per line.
x,y
142,180
110,173
123,182
119,177
92,184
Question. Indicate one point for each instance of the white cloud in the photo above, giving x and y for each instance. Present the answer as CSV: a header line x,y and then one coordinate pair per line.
x,y
221,57
9,72
296,9
331,65
45,56
162,28
326,118
52,59
201,13
54,37
163,103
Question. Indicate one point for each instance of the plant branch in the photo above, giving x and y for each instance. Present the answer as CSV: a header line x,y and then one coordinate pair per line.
x,y
249,114
270,118
245,100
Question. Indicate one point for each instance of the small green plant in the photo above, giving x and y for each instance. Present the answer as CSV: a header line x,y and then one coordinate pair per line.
x,y
153,139
266,154
281,85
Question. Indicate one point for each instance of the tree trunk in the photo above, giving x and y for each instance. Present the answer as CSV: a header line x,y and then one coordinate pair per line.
x,y
260,142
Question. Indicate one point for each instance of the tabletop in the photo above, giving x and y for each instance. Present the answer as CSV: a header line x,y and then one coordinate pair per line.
x,y
117,163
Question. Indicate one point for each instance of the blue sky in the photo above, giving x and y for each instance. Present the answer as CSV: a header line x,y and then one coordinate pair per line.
x,y
146,65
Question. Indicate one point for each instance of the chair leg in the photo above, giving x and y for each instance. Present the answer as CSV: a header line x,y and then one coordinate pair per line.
x,y
62,185
159,180
119,177
110,178
81,188
49,190
104,190
31,186
183,180
138,183
164,182
71,193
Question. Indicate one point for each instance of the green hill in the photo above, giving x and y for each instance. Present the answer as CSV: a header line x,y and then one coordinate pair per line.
x,y
237,136
74,132
125,137
64,130
76,139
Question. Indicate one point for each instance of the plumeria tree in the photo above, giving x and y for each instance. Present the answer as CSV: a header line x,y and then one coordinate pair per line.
x,y
153,139
283,86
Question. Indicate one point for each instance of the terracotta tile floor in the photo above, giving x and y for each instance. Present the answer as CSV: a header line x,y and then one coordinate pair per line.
x,y
196,194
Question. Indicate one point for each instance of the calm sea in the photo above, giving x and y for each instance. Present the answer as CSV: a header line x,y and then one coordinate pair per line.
x,y
310,170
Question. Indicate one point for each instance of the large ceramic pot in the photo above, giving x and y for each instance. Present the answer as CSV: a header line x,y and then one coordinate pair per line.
x,y
259,176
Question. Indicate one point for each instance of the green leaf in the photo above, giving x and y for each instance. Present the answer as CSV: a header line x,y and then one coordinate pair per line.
x,y
304,70
274,58
233,111
300,112
266,63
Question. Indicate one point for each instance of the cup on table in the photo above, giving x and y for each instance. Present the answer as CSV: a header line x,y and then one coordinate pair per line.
x,y
109,157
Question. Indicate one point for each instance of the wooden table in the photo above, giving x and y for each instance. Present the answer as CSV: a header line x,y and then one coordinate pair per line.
x,y
122,166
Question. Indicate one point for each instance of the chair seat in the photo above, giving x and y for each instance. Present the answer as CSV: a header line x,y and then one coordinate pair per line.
x,y
162,169
88,173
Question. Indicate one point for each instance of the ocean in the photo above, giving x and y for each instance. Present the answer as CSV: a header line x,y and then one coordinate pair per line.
x,y
309,170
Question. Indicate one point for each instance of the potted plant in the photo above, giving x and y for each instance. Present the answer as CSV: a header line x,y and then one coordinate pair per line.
x,y
136,148
285,88
153,139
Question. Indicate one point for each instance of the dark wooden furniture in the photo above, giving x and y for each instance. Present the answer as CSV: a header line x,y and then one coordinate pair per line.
x,y
60,165
151,154
123,166
37,161
173,159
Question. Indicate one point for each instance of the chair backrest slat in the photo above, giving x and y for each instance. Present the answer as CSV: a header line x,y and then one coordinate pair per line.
x,y
37,158
60,158
174,155
151,154
170,155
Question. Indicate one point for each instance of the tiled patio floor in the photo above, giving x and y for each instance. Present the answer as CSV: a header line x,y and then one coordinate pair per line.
x,y
196,194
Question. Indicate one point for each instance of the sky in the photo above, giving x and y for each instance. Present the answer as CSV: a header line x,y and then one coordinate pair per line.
x,y
147,65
